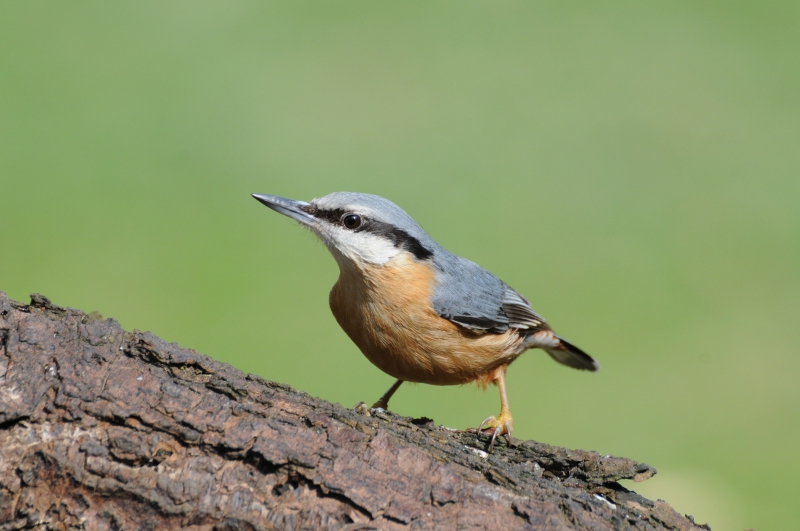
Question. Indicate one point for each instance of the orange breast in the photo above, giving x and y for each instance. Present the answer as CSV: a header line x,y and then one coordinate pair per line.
x,y
387,311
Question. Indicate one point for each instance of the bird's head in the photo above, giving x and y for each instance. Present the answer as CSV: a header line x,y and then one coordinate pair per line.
x,y
359,229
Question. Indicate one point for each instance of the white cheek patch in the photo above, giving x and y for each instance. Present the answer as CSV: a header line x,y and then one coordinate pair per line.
x,y
358,247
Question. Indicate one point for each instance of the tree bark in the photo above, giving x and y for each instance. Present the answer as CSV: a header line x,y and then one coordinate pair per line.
x,y
106,429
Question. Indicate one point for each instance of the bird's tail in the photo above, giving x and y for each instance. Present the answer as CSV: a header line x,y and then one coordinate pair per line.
x,y
563,351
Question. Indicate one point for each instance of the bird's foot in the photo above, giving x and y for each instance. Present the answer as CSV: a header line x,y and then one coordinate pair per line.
x,y
503,425
376,409
380,405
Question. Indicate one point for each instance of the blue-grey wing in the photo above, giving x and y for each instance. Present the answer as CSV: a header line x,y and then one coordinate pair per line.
x,y
472,297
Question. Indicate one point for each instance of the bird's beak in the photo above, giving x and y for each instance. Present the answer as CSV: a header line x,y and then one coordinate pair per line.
x,y
287,207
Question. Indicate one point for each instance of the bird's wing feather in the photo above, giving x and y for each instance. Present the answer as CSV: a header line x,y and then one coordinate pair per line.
x,y
520,314
470,296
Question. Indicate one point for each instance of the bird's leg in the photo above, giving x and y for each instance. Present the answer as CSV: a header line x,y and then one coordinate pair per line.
x,y
503,424
383,402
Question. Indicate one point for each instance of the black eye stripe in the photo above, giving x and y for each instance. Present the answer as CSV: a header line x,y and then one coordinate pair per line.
x,y
398,237
331,216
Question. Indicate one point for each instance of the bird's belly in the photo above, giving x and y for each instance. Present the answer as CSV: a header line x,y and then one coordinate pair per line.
x,y
388,314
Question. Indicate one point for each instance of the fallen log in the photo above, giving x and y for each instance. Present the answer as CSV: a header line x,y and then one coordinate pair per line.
x,y
106,429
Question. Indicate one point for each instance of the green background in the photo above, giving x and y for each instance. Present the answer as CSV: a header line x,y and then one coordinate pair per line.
x,y
633,168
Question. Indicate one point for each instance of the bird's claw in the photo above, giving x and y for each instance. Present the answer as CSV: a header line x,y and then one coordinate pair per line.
x,y
501,426
381,405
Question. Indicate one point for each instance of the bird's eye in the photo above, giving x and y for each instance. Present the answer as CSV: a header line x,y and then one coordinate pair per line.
x,y
352,221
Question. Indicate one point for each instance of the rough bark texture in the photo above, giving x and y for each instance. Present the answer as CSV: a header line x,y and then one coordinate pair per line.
x,y
106,429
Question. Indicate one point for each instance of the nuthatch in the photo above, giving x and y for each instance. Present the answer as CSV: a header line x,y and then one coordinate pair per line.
x,y
418,312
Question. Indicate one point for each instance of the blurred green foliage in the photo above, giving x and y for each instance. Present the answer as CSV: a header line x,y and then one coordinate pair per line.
x,y
632,168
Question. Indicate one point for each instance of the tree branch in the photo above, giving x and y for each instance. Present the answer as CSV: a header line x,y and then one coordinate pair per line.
x,y
106,429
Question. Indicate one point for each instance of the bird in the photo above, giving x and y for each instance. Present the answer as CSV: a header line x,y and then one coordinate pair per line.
x,y
417,311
